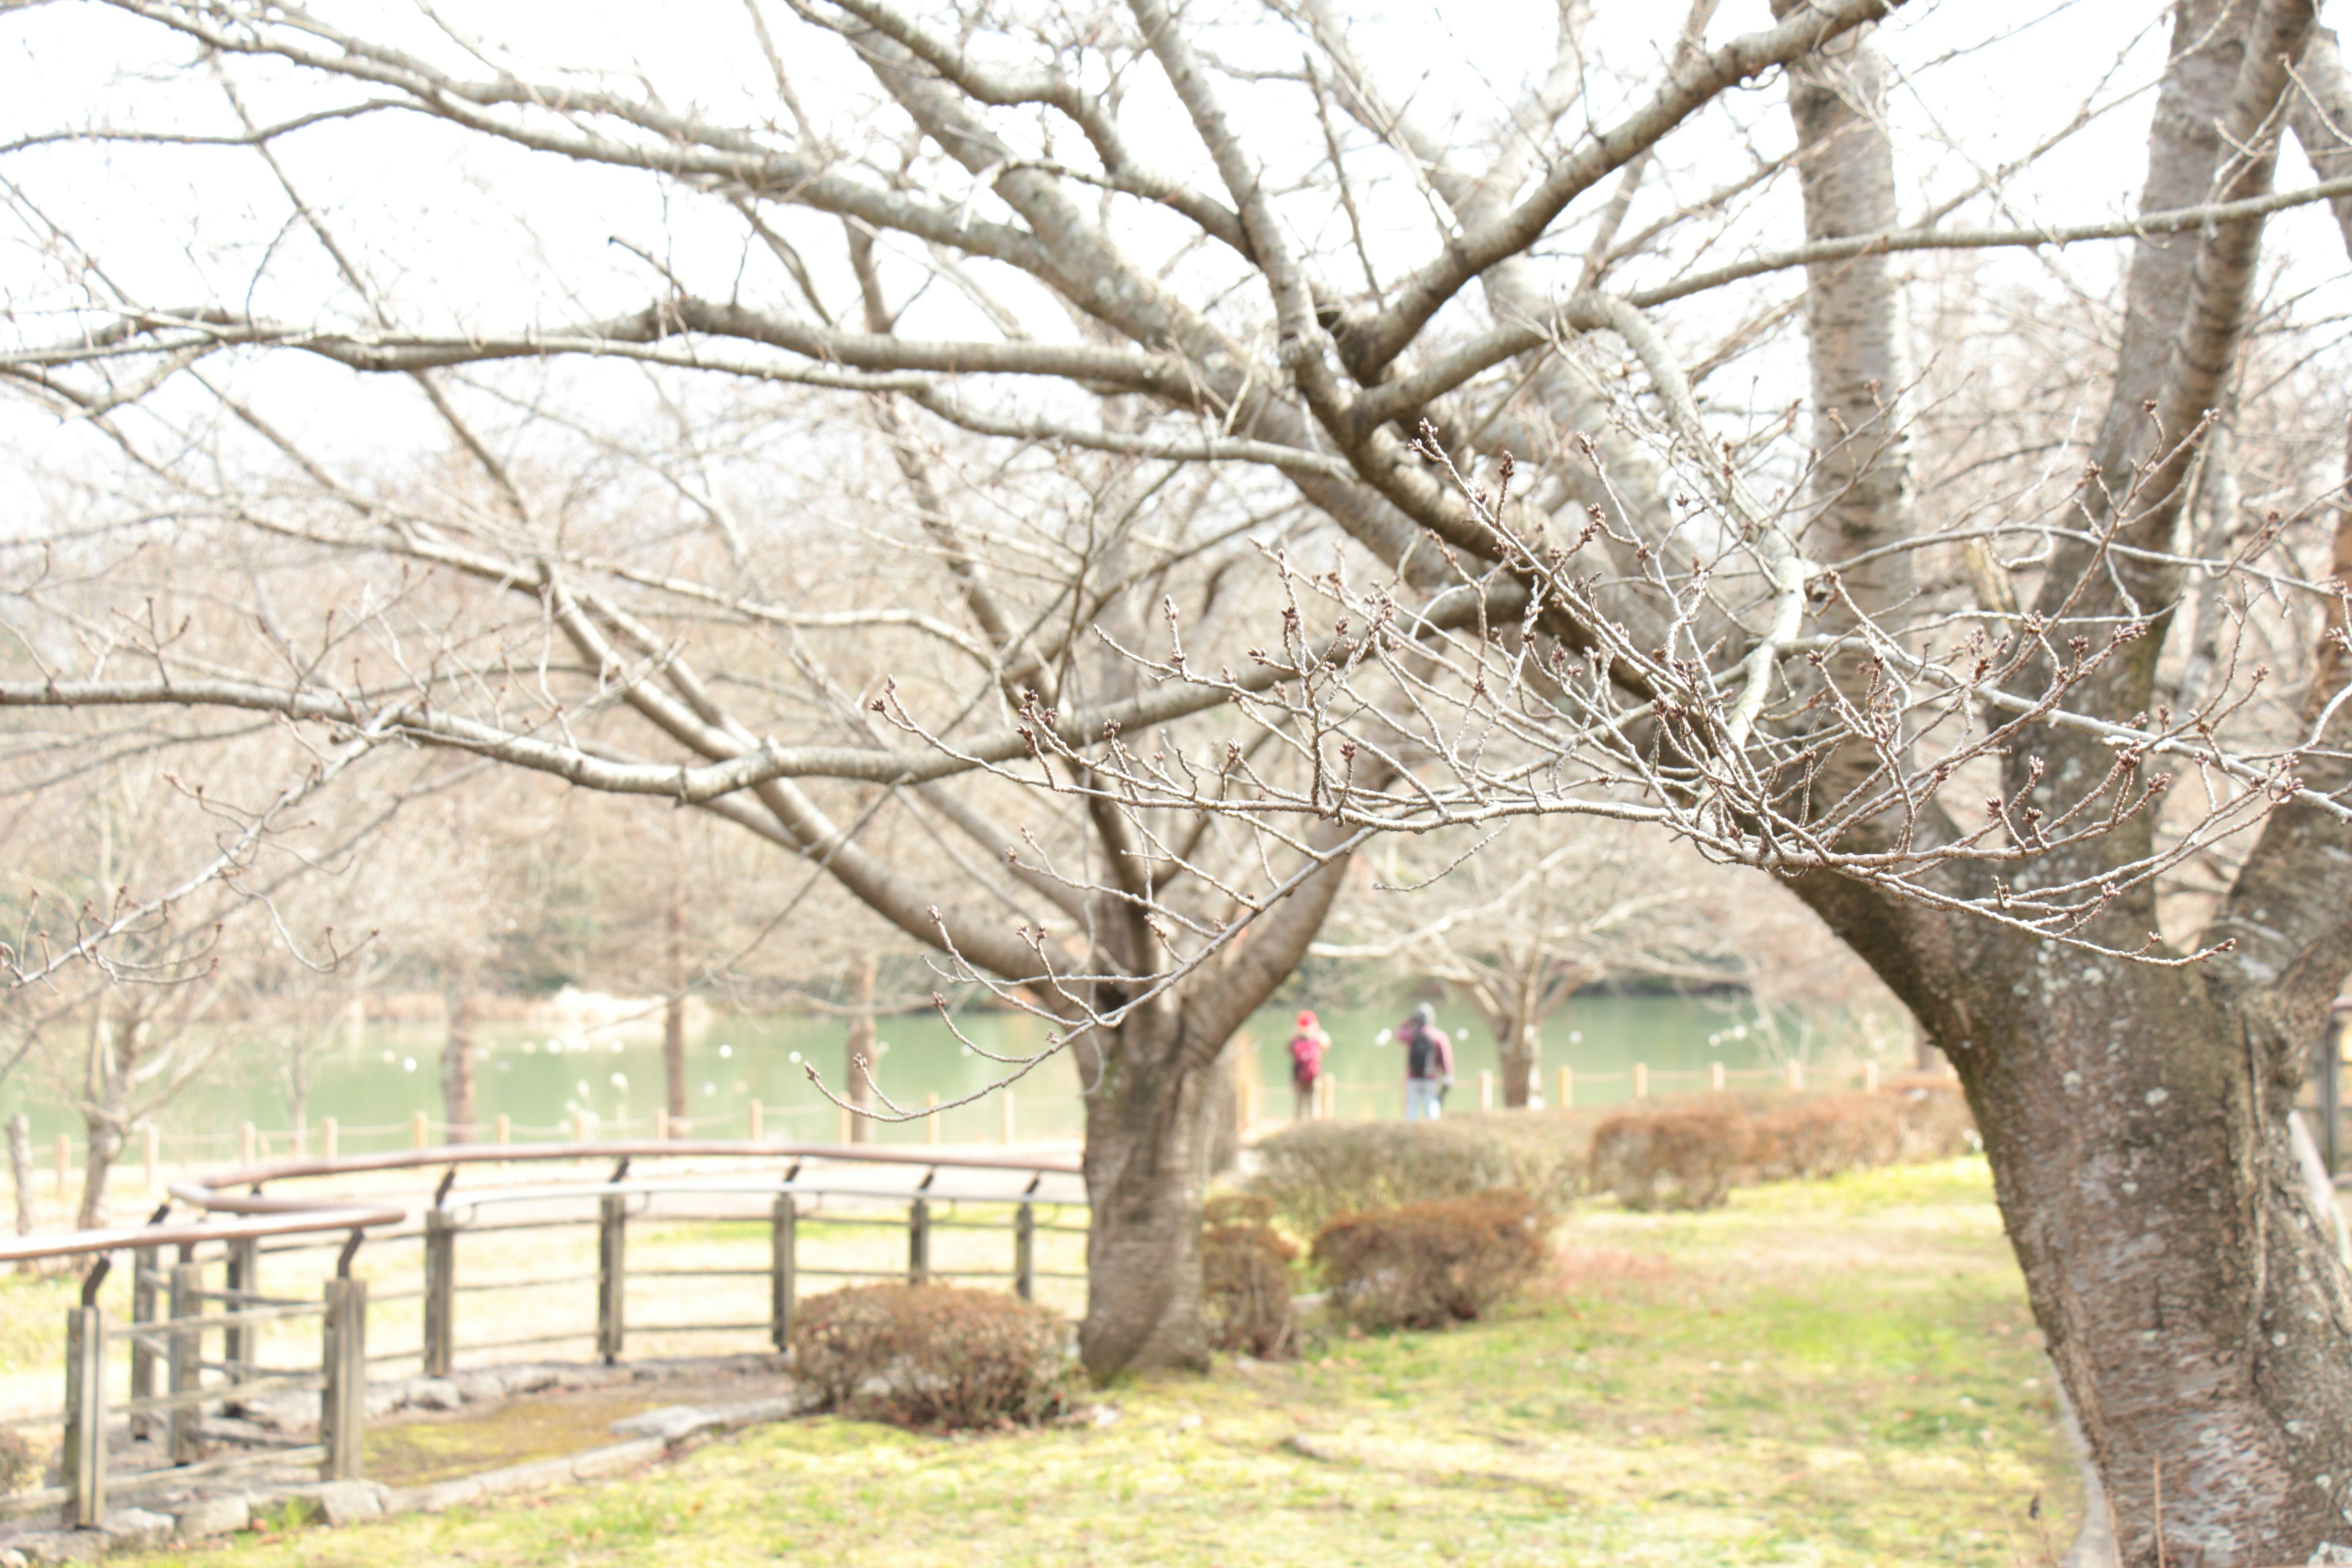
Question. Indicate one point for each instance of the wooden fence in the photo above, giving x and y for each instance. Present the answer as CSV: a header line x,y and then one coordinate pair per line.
x,y
197,1318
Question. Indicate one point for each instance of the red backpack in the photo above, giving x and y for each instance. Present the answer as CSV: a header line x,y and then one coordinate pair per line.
x,y
1306,1056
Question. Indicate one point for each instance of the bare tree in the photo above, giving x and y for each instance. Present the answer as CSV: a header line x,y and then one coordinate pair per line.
x,y
1204,569
126,986
1534,915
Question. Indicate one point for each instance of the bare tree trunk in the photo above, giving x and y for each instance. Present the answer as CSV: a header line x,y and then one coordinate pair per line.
x,y
1224,1111
464,1008
105,1147
20,1167
1519,1035
2136,1120
864,1055
1521,1054
674,1012
1148,1128
106,1108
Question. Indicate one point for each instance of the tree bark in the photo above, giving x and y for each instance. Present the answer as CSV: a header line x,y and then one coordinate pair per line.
x,y
2135,1120
115,1051
674,1014
1148,1123
2136,1116
463,1006
20,1169
862,1048
1519,1035
1150,1100
104,1149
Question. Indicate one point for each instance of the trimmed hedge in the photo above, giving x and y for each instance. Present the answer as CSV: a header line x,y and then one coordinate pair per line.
x,y
935,1355
1685,1153
1245,1278
1317,1171
1426,1265
1690,1153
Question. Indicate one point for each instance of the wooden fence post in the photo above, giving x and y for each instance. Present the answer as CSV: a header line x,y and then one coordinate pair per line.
x,y
842,1129
420,1132
1714,1077
152,1136
1567,1086
1327,1095
65,1167
185,1350
144,1264
1641,1080
919,1242
1870,1078
241,1277
579,1127
83,1457
503,1128
330,1141
783,1265
1796,1073
440,1291
757,1117
1024,1252
249,1143
661,1125
1486,1090
342,1408
612,1276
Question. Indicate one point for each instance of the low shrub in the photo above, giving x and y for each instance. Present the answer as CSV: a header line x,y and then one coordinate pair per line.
x,y
1690,1153
1425,1265
934,1355
1317,1171
1245,1278
20,1462
1682,1154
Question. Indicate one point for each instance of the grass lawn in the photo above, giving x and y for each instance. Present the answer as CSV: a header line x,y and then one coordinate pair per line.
x,y
1826,1373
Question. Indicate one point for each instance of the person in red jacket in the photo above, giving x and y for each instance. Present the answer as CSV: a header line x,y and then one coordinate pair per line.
x,y
1308,1043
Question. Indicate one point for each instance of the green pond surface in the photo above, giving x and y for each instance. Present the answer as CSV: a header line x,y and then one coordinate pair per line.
x,y
540,1078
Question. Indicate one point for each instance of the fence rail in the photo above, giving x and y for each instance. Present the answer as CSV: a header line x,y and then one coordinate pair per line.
x,y
195,1321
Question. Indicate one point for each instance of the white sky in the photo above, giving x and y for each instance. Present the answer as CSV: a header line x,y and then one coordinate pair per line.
x,y
465,233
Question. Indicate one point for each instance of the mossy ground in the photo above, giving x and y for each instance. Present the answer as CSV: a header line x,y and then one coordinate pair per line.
x,y
1824,1374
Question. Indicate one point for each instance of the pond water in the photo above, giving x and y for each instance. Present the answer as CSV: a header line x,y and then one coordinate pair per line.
x,y
541,1078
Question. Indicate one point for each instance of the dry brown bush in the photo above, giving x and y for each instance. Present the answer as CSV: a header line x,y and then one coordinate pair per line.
x,y
935,1355
1245,1278
1686,1154
1689,1154
1426,1265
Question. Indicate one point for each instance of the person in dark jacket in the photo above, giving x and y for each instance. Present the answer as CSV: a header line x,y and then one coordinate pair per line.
x,y
1428,1063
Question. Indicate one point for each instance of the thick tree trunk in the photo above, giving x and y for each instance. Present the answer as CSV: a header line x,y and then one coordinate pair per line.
x,y
862,1048
2135,1119
1223,1115
2190,1294
464,1009
1147,1126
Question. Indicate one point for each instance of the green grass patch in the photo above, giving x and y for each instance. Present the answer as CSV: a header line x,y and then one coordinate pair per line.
x,y
1836,1373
